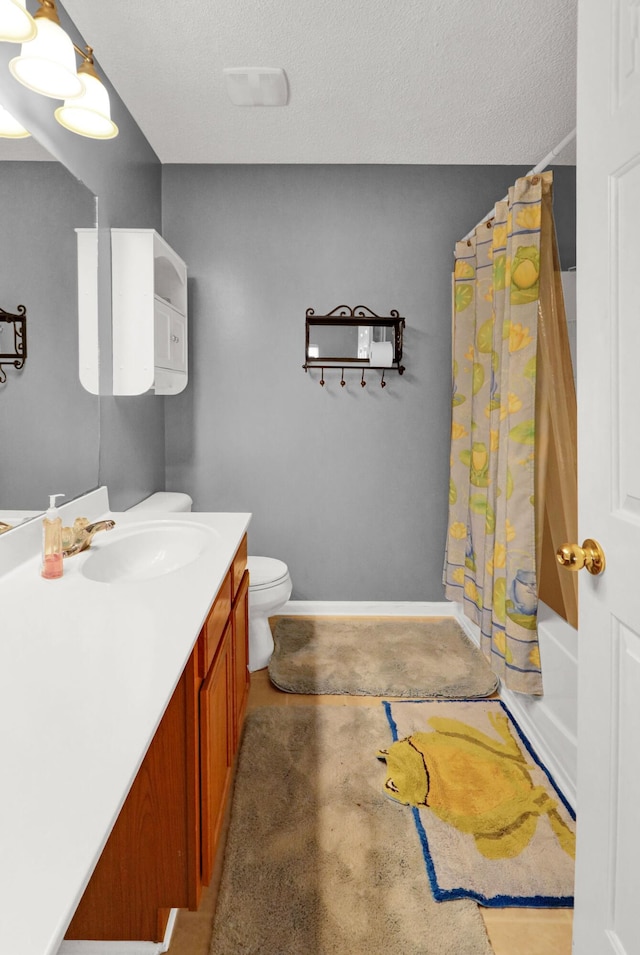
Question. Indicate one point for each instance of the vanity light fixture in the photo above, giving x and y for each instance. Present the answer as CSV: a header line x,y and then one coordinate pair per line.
x,y
10,128
47,64
90,113
16,23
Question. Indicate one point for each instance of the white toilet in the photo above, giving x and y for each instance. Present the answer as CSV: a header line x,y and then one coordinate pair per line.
x,y
269,589
269,581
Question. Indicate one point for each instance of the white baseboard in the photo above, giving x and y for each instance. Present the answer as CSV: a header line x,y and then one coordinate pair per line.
x,y
370,608
121,948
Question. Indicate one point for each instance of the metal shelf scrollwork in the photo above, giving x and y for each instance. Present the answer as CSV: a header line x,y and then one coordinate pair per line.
x,y
348,339
13,339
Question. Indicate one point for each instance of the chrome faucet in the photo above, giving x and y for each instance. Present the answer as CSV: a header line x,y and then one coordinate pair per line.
x,y
78,538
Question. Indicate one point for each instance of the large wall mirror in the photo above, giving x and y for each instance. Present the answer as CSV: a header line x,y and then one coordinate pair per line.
x,y
50,426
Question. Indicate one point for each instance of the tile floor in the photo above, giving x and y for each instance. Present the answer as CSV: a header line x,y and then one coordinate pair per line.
x,y
512,931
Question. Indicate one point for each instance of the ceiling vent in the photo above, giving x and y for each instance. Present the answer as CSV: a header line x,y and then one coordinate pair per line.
x,y
257,86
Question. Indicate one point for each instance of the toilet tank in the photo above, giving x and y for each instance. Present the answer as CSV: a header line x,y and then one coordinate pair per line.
x,y
164,501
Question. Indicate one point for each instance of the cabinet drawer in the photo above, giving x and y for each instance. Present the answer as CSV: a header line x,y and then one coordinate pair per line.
x,y
239,565
214,627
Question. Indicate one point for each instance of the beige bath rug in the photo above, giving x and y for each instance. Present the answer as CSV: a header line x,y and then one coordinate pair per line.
x,y
318,861
491,821
378,656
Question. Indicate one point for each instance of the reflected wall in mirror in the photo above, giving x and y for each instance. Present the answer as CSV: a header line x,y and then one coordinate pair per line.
x,y
49,425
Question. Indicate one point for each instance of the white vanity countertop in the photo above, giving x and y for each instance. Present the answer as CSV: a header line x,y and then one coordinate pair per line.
x,y
86,672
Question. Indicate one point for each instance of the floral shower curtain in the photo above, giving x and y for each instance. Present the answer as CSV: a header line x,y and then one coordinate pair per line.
x,y
490,562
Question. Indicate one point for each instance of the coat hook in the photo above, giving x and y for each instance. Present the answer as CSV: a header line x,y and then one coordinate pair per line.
x,y
383,383
363,382
322,378
342,381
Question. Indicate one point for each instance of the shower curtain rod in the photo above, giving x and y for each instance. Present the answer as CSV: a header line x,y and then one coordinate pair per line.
x,y
532,172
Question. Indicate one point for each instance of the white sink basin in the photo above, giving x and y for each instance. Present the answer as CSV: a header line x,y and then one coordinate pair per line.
x,y
144,551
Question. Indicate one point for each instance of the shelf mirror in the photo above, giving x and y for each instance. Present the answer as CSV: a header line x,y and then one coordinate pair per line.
x,y
353,336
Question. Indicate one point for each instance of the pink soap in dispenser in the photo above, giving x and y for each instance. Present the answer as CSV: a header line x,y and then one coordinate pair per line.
x,y
52,559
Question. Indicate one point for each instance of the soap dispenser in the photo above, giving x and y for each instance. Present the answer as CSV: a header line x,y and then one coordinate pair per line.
x,y
52,559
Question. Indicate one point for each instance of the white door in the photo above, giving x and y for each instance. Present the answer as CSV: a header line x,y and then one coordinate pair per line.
x,y
607,915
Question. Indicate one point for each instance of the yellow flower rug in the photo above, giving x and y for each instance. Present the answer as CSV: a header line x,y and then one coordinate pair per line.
x,y
492,824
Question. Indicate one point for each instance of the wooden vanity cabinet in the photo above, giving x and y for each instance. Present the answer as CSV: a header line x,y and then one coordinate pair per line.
x,y
162,848
223,700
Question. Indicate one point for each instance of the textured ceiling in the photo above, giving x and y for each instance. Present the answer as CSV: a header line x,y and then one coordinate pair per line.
x,y
371,81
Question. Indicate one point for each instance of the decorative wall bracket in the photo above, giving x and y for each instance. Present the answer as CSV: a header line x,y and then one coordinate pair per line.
x,y
354,338
13,339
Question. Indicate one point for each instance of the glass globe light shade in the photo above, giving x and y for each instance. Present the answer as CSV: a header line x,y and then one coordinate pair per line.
x,y
10,128
89,114
47,64
16,23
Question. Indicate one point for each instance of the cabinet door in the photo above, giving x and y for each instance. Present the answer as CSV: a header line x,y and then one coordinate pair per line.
x,y
147,865
240,623
170,337
216,737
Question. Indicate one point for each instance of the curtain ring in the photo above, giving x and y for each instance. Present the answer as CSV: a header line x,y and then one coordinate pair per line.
x,y
383,383
322,378
363,382
342,381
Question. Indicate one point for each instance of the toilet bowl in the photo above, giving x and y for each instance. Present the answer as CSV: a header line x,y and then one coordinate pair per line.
x,y
269,589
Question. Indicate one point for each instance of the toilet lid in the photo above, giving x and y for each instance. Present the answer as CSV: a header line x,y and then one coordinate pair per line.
x,y
264,571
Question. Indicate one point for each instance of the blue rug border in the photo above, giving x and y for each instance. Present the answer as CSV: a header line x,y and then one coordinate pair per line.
x,y
496,901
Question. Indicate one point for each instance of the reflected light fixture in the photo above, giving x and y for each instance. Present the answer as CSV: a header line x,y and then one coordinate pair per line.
x,y
10,128
16,23
90,113
47,64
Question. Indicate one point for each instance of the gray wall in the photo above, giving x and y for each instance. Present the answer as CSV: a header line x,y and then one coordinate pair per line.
x,y
125,175
348,486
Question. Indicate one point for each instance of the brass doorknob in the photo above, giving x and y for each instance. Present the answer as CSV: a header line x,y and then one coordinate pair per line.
x,y
574,557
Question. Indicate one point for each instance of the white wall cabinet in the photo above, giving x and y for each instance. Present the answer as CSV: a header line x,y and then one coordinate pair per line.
x,y
149,310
